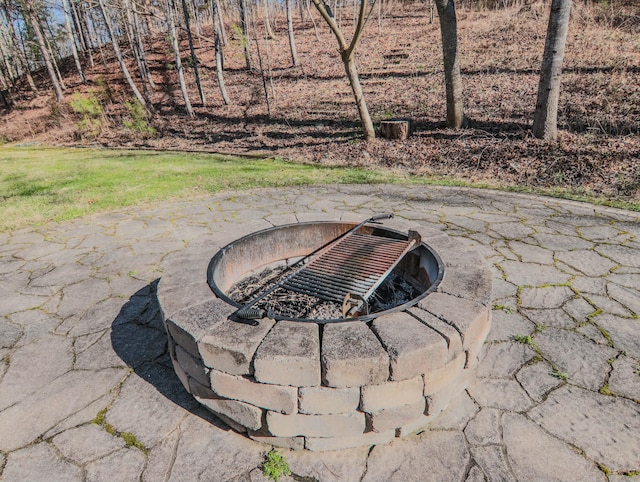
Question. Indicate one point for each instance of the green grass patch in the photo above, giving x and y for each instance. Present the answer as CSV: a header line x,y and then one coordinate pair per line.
x,y
39,185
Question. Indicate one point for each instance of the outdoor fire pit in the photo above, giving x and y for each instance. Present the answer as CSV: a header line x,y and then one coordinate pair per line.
x,y
327,335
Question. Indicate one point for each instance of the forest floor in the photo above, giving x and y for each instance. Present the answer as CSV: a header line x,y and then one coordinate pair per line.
x,y
311,116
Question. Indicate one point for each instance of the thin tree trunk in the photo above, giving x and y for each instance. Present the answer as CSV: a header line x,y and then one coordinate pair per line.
x,y
94,40
356,87
78,27
196,19
264,81
44,50
176,51
221,28
545,121
67,20
140,45
451,58
313,22
7,65
267,23
24,60
54,61
123,66
84,36
135,43
292,42
244,25
347,54
216,42
194,59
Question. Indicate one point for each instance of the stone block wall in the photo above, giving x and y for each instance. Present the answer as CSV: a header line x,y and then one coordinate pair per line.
x,y
338,385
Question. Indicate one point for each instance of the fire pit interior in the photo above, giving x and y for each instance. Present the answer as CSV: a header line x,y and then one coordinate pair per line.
x,y
344,272
327,335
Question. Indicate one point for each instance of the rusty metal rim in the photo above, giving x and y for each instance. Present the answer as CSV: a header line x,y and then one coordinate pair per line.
x,y
220,294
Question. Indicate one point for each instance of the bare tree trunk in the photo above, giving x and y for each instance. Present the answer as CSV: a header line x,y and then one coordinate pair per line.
x,y
221,28
92,35
244,25
267,22
197,24
67,20
451,58
24,61
9,69
44,50
54,61
176,51
545,121
194,59
313,22
78,27
216,41
137,34
136,47
347,53
356,87
262,75
292,42
84,36
123,66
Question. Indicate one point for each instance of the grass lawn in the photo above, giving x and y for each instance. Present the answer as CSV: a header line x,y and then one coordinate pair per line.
x,y
38,185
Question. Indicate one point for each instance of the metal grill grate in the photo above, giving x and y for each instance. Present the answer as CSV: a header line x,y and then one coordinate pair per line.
x,y
356,264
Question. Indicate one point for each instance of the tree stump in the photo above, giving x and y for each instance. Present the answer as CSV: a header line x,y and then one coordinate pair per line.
x,y
395,128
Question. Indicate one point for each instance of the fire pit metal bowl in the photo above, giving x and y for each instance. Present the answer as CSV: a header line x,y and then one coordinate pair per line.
x,y
321,384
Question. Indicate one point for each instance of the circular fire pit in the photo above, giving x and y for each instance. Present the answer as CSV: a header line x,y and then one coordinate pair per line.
x,y
328,383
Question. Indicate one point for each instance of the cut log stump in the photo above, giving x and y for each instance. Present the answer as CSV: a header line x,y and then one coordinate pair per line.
x,y
395,128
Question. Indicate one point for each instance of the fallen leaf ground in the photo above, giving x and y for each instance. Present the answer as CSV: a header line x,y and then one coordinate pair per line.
x,y
313,118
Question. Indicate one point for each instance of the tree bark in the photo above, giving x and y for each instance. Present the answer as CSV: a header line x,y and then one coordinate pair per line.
x,y
545,121
123,66
194,59
221,27
451,59
244,25
136,47
176,51
267,22
347,54
21,49
215,14
292,42
137,33
67,20
84,36
44,50
356,87
395,129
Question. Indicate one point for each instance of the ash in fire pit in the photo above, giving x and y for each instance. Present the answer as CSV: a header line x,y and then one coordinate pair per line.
x,y
303,376
393,291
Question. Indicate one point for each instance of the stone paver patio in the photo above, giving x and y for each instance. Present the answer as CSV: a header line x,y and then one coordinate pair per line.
x,y
88,392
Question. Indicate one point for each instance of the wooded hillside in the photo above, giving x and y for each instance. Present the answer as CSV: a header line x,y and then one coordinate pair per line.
x,y
307,111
